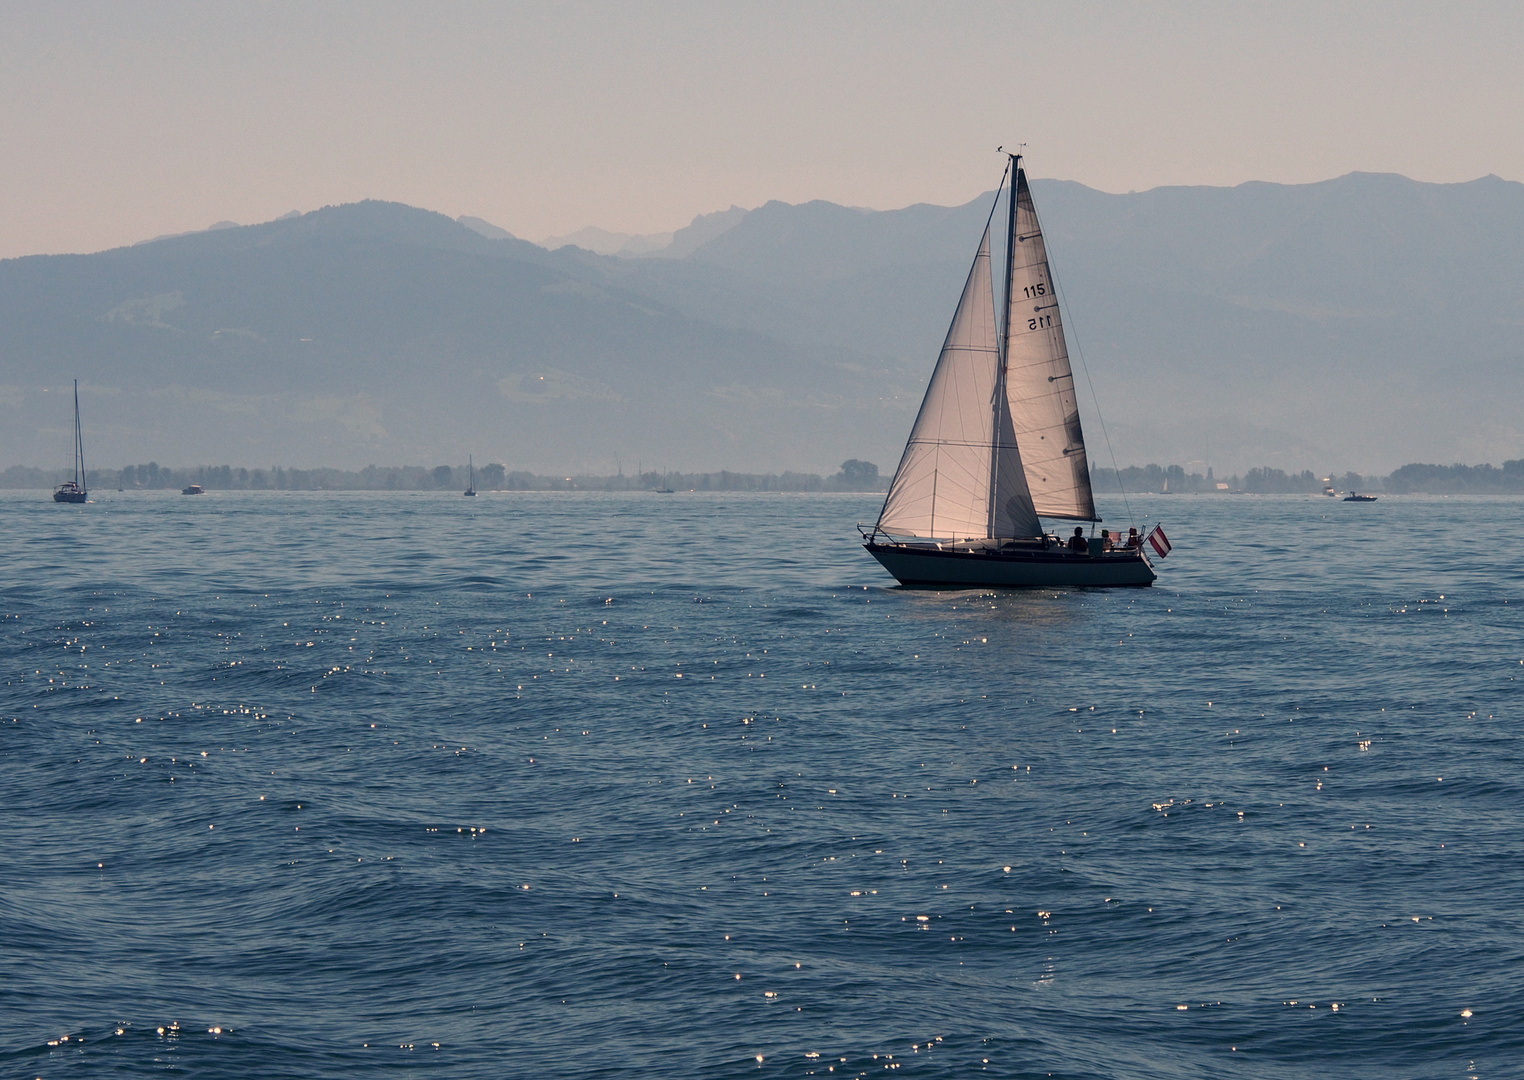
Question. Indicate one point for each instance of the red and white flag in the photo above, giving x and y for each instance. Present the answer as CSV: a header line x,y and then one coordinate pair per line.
x,y
1158,541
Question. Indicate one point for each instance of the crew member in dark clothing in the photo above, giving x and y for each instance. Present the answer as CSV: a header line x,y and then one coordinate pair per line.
x,y
1077,541
1133,539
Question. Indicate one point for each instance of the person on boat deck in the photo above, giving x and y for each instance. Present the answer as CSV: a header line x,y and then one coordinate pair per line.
x,y
1133,539
1106,543
1077,541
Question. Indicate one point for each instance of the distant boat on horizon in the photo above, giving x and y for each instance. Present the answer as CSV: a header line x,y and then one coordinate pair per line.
x,y
965,504
1355,496
75,491
193,489
470,476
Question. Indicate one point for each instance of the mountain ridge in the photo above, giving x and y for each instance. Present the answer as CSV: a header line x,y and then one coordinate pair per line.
x,y
1359,322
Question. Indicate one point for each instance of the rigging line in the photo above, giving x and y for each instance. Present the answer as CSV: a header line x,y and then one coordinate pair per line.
x,y
999,191
1094,400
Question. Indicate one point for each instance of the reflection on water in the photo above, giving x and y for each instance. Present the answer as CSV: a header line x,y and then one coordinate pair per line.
x,y
320,784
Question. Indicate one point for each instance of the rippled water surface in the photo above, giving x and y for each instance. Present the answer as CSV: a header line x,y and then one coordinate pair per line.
x,y
605,785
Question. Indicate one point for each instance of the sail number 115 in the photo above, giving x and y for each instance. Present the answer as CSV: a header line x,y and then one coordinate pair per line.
x,y
1040,322
1040,289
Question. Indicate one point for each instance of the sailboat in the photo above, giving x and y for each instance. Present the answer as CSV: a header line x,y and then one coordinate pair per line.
x,y
470,476
997,443
74,491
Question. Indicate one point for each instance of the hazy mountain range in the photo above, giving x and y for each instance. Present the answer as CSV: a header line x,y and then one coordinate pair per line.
x,y
1358,323
670,245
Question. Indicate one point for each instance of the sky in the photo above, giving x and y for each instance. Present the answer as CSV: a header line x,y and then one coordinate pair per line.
x,y
122,121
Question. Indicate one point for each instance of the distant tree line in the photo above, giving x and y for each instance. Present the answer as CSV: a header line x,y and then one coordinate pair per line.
x,y
1410,479
1276,482
154,476
854,475
1262,481
1149,478
1452,479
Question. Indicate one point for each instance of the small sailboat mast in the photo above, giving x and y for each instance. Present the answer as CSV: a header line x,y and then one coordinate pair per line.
x,y
79,440
470,476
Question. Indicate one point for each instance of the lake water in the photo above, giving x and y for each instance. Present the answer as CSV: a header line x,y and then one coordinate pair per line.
x,y
683,785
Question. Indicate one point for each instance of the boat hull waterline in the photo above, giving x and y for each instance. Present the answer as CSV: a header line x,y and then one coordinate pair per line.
x,y
917,565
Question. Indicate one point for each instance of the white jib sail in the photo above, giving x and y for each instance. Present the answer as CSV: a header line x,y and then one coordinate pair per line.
x,y
942,486
1039,382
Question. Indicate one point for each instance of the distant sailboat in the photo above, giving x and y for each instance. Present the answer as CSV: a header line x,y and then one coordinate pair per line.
x,y
74,491
470,476
998,442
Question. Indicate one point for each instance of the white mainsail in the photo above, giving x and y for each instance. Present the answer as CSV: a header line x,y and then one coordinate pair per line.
x,y
1039,384
942,487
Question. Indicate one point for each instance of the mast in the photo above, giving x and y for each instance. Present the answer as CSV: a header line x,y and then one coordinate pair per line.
x,y
79,444
1005,340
